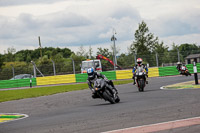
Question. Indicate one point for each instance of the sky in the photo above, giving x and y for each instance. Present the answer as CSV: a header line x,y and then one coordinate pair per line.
x,y
75,23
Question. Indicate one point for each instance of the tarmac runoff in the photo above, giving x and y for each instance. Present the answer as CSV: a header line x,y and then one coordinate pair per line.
x,y
183,85
7,117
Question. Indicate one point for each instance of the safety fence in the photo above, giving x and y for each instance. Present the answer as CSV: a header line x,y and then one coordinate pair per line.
x,y
78,78
17,83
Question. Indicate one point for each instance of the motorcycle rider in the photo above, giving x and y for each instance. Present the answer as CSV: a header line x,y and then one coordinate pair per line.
x,y
92,76
184,69
139,64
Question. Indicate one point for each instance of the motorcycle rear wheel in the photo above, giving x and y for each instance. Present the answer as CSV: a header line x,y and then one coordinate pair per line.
x,y
108,97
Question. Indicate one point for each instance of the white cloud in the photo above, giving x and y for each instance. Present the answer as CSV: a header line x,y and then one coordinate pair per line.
x,y
72,23
177,24
122,46
190,39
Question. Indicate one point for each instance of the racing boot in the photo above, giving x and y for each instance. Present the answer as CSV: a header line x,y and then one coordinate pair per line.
x,y
134,82
94,96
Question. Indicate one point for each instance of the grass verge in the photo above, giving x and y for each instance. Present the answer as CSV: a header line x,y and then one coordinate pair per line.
x,y
183,85
9,95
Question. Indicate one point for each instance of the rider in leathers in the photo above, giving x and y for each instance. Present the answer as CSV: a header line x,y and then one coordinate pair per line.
x,y
92,76
139,64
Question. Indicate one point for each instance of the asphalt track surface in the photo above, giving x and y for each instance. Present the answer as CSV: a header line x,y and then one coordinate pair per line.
x,y
77,112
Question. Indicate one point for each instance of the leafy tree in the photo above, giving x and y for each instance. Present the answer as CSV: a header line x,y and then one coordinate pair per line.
x,y
82,51
125,61
77,61
9,56
184,50
66,52
173,54
162,53
90,51
35,54
146,45
23,55
187,49
1,60
105,52
19,68
11,50
144,41
19,57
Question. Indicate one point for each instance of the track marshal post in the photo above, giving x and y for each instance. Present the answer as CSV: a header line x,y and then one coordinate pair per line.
x,y
195,73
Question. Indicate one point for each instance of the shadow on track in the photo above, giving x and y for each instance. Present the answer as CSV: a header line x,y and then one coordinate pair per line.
x,y
136,91
105,104
151,90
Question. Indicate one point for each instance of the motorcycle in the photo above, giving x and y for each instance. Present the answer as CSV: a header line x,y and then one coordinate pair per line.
x,y
184,71
140,78
104,91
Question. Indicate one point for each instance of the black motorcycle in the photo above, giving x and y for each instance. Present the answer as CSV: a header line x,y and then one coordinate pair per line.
x,y
104,91
140,78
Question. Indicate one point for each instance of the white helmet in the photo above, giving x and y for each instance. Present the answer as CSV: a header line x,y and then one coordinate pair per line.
x,y
179,63
139,60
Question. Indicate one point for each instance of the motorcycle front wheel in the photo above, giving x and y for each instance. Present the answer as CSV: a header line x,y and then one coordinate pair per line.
x,y
141,85
117,99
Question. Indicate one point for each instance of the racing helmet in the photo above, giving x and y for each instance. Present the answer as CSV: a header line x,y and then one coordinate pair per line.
x,y
139,61
90,73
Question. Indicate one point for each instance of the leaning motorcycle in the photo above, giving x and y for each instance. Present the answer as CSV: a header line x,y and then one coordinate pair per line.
x,y
140,78
184,71
104,91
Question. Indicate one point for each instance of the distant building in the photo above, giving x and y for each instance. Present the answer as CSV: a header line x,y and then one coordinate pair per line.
x,y
192,58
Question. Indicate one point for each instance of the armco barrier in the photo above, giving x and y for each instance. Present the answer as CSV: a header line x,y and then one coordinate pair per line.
x,y
76,78
190,68
127,74
124,74
171,70
153,72
81,77
59,79
168,71
16,83
111,75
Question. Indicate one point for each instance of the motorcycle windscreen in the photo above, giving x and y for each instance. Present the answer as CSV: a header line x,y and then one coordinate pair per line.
x,y
140,71
99,83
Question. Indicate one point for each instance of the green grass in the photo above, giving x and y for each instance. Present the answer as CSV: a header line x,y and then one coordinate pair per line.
x,y
9,95
119,82
183,85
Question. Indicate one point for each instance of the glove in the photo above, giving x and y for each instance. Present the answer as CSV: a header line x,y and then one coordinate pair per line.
x,y
106,79
93,91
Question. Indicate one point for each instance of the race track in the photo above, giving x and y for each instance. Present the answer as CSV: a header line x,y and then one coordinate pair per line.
x,y
77,112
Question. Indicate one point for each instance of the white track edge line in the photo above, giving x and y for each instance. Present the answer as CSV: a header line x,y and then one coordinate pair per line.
x,y
152,124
